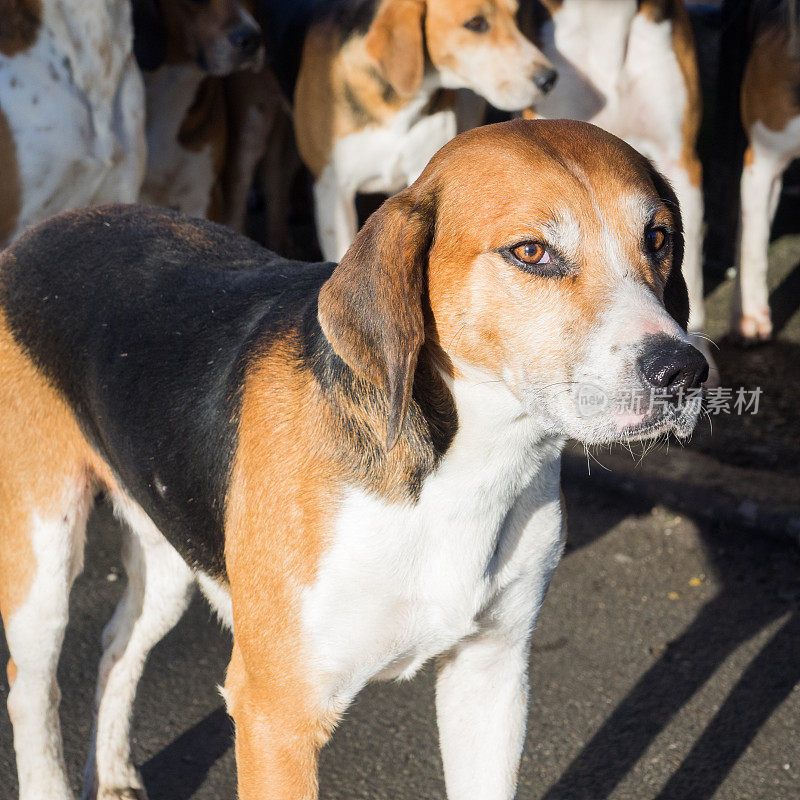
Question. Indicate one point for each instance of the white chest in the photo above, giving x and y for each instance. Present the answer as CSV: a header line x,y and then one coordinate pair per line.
x,y
402,583
390,156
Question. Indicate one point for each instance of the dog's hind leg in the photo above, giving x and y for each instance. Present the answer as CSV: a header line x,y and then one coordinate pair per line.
x,y
46,489
159,588
48,562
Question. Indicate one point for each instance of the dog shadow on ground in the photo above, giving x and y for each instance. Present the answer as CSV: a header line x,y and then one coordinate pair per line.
x,y
756,590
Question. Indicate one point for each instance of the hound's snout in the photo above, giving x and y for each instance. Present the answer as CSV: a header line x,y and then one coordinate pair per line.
x,y
672,366
246,39
545,79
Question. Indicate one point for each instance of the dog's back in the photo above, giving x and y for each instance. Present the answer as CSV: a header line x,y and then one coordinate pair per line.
x,y
152,307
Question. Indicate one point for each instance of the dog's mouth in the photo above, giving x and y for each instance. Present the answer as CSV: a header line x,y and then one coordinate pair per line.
x,y
678,419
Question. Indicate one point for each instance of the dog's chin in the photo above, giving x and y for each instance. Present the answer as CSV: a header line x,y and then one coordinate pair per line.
x,y
514,101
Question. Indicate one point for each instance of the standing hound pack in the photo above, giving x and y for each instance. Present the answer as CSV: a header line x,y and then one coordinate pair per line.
x,y
630,67
367,108
71,109
770,104
184,49
359,464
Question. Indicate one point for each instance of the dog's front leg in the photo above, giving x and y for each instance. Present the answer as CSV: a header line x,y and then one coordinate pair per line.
x,y
481,704
279,732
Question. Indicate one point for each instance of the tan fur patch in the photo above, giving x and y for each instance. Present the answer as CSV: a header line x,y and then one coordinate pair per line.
x,y
10,186
21,20
684,46
771,78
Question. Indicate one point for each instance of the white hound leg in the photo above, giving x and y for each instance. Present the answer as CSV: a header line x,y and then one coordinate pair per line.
x,y
336,216
481,704
760,192
35,633
158,591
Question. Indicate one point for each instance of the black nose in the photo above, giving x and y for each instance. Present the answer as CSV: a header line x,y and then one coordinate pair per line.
x,y
671,365
246,38
545,79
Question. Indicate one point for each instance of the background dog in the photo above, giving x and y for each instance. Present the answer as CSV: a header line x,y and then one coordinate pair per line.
x,y
179,45
71,109
367,116
771,118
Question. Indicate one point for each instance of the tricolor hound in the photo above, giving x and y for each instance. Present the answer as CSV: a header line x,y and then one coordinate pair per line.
x,y
359,464
184,49
367,113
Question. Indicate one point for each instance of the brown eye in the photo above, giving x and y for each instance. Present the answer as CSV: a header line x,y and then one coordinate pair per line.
x,y
478,24
531,253
655,239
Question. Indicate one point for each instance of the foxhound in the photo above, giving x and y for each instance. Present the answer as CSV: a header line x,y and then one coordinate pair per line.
x,y
771,116
630,67
71,109
184,49
359,464
368,115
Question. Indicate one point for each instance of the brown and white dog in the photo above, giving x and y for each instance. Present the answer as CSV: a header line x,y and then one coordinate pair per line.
x,y
71,109
359,463
770,105
366,116
184,48
630,67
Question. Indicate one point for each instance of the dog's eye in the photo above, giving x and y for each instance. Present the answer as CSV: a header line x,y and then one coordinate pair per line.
x,y
478,24
655,239
531,253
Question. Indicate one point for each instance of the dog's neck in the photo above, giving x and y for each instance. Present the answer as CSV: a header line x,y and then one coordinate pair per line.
x,y
479,415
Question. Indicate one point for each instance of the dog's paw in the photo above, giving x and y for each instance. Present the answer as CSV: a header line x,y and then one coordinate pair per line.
x,y
130,789
749,329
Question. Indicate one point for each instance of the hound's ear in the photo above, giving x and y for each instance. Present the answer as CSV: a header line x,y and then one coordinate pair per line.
x,y
676,297
396,41
149,34
371,307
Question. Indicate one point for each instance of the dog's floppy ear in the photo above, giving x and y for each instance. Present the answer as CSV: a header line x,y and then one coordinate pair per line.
x,y
676,296
396,41
371,307
149,34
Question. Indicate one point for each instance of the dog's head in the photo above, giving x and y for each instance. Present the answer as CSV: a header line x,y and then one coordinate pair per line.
x,y
473,44
541,256
220,36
